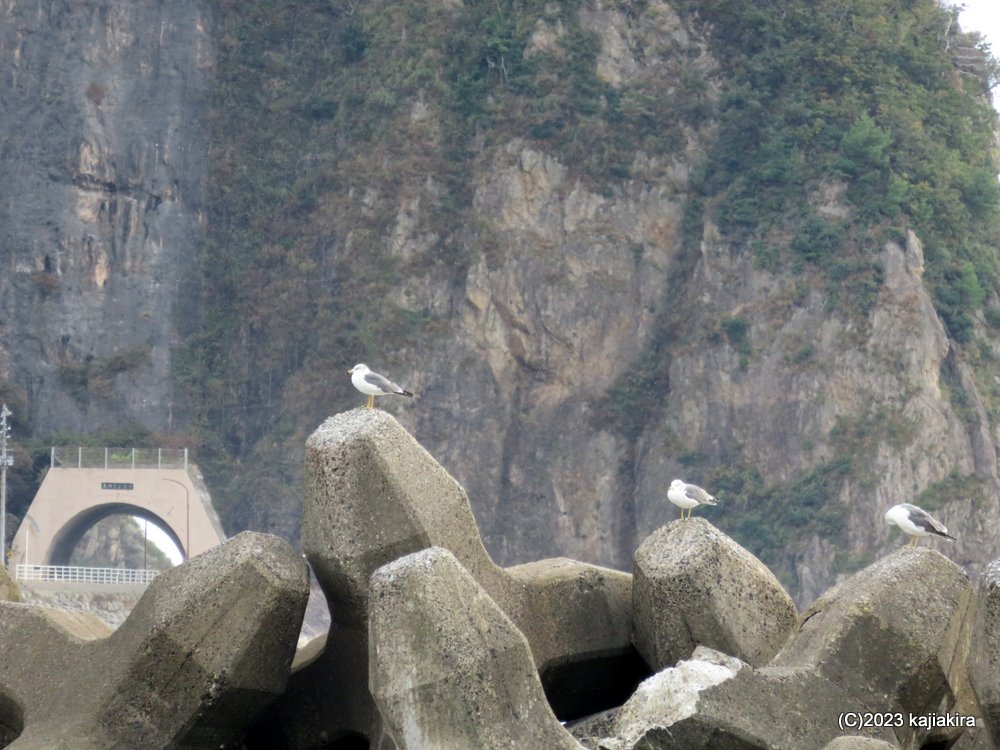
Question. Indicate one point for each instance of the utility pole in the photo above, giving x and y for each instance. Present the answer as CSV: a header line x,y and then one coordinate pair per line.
x,y
5,461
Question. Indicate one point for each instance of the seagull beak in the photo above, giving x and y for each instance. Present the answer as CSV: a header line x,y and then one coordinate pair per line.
x,y
351,371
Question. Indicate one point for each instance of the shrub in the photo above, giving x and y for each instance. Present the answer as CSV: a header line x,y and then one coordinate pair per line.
x,y
736,329
818,240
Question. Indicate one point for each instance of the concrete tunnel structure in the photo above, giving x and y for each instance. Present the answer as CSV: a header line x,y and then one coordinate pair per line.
x,y
77,493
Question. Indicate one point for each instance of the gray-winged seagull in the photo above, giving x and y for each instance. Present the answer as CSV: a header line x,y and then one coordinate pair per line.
x,y
915,522
372,384
688,496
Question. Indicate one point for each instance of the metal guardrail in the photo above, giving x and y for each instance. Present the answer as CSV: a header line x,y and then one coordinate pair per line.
x,y
84,457
73,574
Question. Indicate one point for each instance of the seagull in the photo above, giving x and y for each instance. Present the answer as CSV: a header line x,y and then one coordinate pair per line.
x,y
915,522
372,384
688,496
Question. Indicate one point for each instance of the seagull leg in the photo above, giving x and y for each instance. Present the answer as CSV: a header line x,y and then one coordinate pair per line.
x,y
371,402
913,542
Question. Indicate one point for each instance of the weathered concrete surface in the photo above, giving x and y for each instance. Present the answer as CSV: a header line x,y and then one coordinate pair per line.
x,y
860,743
207,648
577,619
373,495
40,650
590,730
718,702
889,633
449,669
693,585
567,608
977,738
984,650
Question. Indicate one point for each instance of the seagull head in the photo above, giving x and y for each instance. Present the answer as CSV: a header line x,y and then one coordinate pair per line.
x,y
358,368
676,483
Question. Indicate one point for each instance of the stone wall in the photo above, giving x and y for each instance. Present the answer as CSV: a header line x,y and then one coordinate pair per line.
x,y
111,604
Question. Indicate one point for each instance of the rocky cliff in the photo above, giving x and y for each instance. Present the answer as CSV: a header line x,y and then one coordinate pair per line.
x,y
537,219
102,155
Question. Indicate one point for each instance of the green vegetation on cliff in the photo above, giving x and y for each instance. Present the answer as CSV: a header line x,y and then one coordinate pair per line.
x,y
330,116
865,93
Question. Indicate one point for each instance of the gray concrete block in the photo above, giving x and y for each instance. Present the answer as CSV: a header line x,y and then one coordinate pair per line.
x,y
889,633
984,652
853,742
693,585
713,701
207,648
450,670
373,495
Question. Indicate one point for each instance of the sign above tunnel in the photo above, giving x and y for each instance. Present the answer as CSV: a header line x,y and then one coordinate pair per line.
x,y
117,486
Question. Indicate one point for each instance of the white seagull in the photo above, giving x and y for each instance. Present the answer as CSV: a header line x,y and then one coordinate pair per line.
x,y
688,496
372,384
915,522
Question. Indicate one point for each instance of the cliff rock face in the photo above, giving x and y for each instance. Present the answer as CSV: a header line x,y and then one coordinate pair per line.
x,y
601,337
551,322
565,314
102,159
593,360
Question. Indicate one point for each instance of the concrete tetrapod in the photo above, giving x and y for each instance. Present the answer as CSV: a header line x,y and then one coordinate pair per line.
x,y
893,635
449,670
373,495
207,648
859,743
717,702
984,652
890,639
693,585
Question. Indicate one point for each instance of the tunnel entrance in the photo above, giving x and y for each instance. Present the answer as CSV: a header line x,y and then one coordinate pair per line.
x,y
118,527
123,540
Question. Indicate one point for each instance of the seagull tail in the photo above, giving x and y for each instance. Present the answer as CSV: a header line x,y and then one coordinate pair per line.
x,y
405,393
942,531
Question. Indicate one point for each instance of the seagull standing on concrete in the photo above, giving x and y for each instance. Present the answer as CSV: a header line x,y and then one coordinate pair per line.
x,y
915,522
372,384
688,496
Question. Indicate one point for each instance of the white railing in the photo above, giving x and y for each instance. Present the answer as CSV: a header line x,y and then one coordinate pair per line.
x,y
74,574
86,457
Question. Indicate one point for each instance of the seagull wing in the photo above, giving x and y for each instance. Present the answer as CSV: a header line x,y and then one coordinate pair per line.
x,y
925,521
384,384
695,492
